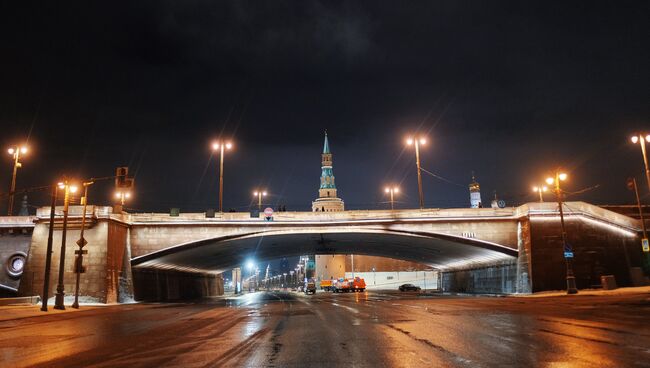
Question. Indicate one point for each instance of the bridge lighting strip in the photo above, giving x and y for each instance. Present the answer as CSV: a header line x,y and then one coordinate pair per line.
x,y
327,222
580,216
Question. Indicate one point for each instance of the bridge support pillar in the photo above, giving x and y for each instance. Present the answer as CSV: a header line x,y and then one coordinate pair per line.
x,y
524,279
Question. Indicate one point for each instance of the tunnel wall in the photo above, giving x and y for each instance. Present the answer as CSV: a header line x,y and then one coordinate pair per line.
x,y
598,250
14,242
494,279
170,285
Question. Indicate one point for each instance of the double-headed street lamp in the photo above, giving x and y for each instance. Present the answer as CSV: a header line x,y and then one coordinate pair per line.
x,y
82,242
392,191
642,141
259,194
540,189
568,251
123,195
418,141
15,152
67,188
221,147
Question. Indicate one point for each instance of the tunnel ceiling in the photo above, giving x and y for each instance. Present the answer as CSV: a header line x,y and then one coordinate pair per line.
x,y
218,255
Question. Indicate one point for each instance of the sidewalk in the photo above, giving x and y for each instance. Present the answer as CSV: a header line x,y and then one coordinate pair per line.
x,y
589,292
13,312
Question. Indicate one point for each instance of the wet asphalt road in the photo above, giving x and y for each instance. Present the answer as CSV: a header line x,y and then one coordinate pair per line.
x,y
371,329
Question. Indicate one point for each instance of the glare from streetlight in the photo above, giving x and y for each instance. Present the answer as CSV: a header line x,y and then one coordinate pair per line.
x,y
250,265
535,189
11,151
263,194
228,145
549,181
634,139
423,141
23,150
647,138
409,141
73,189
562,176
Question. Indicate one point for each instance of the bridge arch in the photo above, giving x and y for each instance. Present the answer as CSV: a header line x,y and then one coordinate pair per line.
x,y
218,254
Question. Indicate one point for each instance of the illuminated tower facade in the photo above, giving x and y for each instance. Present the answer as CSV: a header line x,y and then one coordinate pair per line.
x,y
474,194
327,200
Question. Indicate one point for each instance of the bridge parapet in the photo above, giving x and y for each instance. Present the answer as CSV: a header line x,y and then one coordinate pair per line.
x,y
354,215
17,221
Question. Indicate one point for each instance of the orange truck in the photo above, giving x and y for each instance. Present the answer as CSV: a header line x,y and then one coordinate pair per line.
x,y
326,285
347,285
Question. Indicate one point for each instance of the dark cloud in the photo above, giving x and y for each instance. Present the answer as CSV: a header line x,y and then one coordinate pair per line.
x,y
508,90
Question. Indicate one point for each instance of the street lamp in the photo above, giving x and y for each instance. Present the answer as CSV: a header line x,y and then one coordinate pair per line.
x,y
259,195
122,195
392,191
221,147
642,141
67,188
48,254
81,242
540,189
15,152
568,252
417,142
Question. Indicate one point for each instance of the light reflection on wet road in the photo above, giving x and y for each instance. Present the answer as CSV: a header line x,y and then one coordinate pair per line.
x,y
369,329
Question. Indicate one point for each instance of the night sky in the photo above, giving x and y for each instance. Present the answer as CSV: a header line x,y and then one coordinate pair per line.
x,y
509,90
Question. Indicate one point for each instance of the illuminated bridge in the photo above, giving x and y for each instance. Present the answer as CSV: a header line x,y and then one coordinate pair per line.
x,y
508,250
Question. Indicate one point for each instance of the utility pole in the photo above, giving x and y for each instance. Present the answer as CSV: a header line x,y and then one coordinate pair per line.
x,y
48,254
58,300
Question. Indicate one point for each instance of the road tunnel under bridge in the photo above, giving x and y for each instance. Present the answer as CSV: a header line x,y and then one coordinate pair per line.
x,y
439,251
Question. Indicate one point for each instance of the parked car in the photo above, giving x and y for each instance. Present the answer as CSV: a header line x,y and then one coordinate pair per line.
x,y
409,287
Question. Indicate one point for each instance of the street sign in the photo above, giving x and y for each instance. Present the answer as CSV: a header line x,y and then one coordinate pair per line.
x,y
645,245
84,251
568,254
268,212
82,242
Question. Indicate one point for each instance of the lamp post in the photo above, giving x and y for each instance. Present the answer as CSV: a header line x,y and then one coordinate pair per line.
x,y
48,254
631,184
251,267
259,195
68,188
540,189
392,191
15,152
417,142
642,140
221,147
81,243
568,252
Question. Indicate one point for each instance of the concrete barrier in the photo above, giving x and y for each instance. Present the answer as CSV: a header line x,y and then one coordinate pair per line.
x,y
608,282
